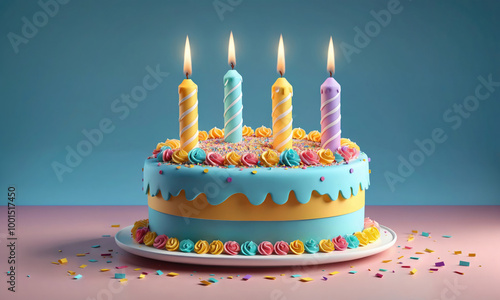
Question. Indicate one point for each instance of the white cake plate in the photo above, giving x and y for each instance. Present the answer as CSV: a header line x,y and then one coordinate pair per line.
x,y
124,240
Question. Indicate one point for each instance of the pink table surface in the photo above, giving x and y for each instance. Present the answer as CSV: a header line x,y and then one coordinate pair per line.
x,y
44,230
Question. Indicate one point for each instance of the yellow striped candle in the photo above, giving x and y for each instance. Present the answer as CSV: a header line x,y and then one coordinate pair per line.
x,y
282,93
188,106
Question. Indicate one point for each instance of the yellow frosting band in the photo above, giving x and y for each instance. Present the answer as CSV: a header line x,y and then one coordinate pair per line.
x,y
238,208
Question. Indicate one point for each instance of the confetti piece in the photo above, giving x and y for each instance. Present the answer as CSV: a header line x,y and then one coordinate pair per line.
x,y
270,277
105,270
447,236
106,235
80,254
137,269
408,247
464,263
71,273
306,279
461,273
63,261
92,260
353,272
96,246
247,277
254,172
282,274
414,231
324,278
379,275
173,274
472,254
439,264
406,267
159,272
108,262
142,276
413,257
458,252
55,263
213,280
434,269
333,273
211,274
425,233
121,267
428,250
123,280
116,225
410,238
206,283
400,257
82,266
412,272
229,277
383,270
78,276
120,275
106,254
419,253
387,261
205,171
296,275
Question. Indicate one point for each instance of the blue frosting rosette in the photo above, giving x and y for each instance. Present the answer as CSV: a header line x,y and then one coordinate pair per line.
x,y
311,246
352,241
290,158
249,248
186,246
197,156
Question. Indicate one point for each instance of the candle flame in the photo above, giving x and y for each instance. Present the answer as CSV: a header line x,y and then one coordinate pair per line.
x,y
281,57
187,58
231,56
330,65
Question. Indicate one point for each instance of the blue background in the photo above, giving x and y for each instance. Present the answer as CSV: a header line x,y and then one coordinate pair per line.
x,y
395,89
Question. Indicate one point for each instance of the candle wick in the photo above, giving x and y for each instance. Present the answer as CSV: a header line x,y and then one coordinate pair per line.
x,y
232,66
281,74
187,75
331,74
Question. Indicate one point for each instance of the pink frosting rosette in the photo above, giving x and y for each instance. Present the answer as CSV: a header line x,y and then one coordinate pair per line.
x,y
370,223
348,153
231,247
155,152
309,157
281,248
265,248
214,159
340,243
249,159
140,234
167,154
160,241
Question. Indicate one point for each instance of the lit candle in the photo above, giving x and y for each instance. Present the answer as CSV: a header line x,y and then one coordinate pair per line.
x,y
233,106
330,106
188,106
281,94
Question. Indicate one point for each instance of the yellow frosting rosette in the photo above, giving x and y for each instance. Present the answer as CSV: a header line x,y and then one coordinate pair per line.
x,y
173,144
180,156
314,136
216,247
247,131
299,133
372,233
326,156
263,132
297,247
159,145
232,158
269,158
149,238
172,244
349,143
215,133
201,247
202,135
362,237
326,246
139,224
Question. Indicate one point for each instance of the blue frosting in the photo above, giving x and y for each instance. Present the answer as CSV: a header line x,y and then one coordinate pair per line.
x,y
311,246
289,158
257,231
352,241
186,246
197,156
338,157
249,248
278,182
